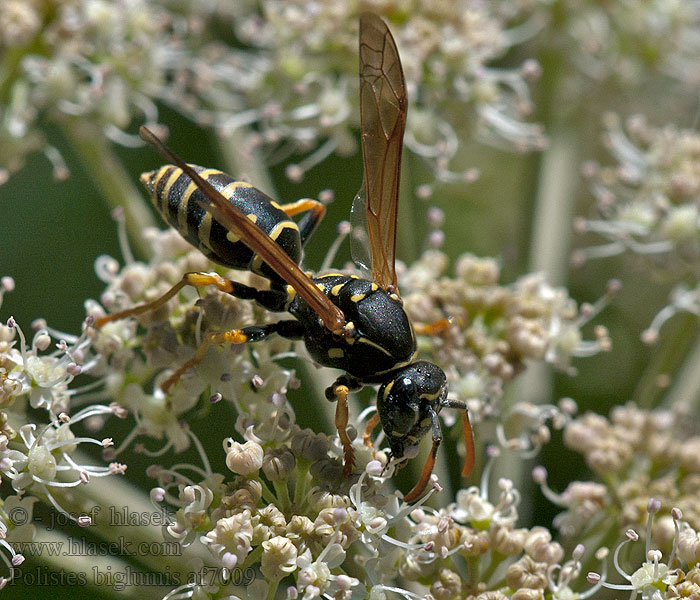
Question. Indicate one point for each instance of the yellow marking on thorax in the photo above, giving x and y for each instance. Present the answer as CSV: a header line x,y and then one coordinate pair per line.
x,y
357,297
321,287
374,287
398,365
275,205
369,342
335,290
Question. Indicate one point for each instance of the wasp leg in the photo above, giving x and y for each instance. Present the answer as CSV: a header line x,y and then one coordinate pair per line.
x,y
273,299
430,462
310,222
339,391
470,452
435,328
371,424
194,279
287,329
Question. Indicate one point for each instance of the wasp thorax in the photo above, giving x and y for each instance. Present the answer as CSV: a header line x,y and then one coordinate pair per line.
x,y
408,404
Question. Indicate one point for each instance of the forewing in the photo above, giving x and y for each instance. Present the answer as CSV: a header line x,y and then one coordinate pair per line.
x,y
234,220
383,106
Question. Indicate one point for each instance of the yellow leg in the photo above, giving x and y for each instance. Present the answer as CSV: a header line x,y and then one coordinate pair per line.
x,y
194,279
371,424
213,338
341,424
308,223
294,208
435,328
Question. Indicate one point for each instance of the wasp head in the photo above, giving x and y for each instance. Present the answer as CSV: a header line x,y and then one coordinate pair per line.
x,y
407,405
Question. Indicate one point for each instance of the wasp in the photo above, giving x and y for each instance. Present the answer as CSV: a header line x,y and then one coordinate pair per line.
x,y
346,322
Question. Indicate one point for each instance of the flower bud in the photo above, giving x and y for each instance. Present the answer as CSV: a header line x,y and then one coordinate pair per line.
x,y
309,445
278,463
506,541
528,594
448,586
539,546
689,546
526,573
279,558
244,459
41,463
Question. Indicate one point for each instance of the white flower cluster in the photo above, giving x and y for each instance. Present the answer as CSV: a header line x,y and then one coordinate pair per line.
x,y
493,329
290,76
446,52
38,457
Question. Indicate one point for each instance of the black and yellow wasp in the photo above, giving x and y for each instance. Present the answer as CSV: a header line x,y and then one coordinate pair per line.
x,y
346,322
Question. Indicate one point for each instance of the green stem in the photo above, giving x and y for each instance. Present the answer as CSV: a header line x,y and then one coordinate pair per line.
x,y
496,560
606,540
111,178
678,346
553,210
319,380
554,206
301,481
549,253
252,558
267,494
282,492
272,592
9,68
473,571
686,387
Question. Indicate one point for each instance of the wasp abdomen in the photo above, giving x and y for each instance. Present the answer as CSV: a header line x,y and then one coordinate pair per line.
x,y
181,204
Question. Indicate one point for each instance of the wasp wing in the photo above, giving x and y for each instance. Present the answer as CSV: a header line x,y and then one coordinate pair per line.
x,y
359,238
256,239
383,104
